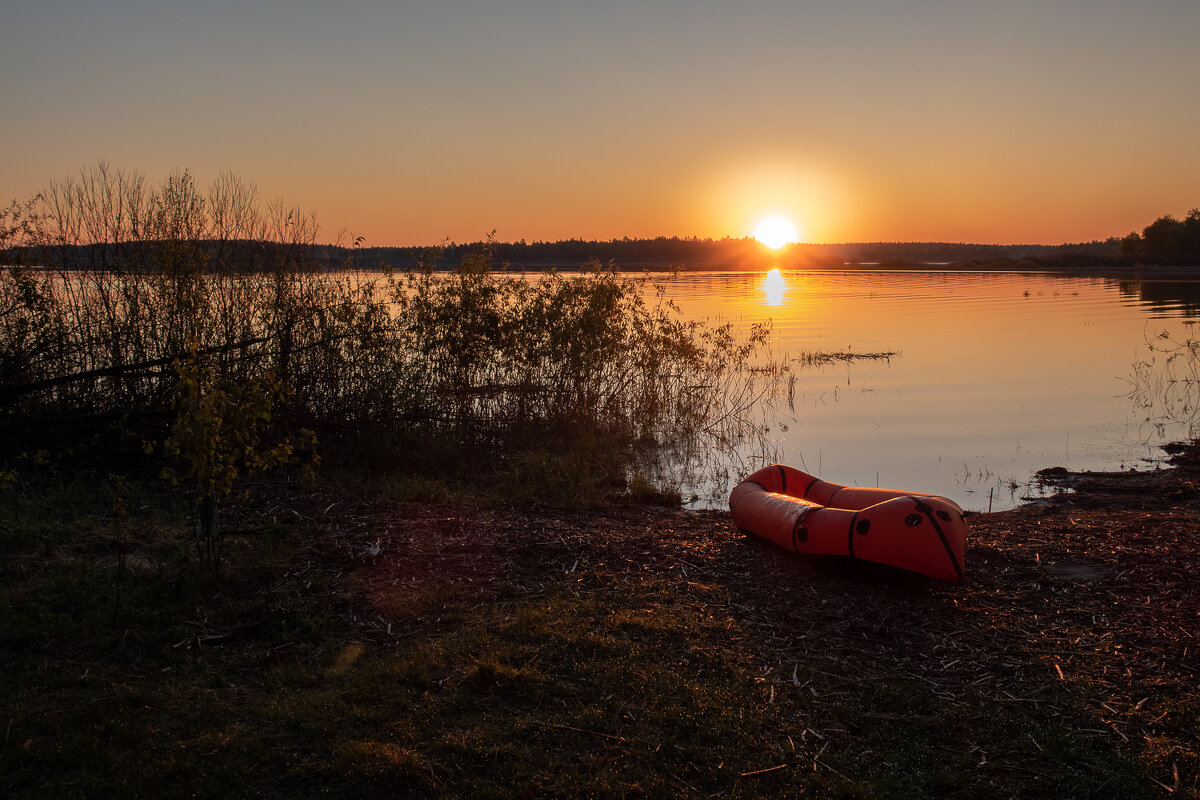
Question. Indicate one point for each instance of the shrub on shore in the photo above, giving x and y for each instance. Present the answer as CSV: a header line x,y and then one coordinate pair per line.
x,y
115,283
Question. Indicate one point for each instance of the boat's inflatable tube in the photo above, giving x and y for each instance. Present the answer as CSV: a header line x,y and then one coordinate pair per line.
x,y
920,532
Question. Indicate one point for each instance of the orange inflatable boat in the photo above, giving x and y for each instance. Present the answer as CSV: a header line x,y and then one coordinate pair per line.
x,y
919,532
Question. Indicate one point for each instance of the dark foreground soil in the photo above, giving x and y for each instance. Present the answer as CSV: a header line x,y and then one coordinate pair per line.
x,y
404,649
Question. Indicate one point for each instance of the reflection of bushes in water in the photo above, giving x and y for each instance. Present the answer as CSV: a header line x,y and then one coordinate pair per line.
x,y
470,359
1180,297
1166,386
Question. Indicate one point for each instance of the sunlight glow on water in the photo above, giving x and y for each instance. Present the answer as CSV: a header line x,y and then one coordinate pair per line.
x,y
774,286
998,374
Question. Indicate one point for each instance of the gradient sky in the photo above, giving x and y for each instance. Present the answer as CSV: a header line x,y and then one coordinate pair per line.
x,y
1022,121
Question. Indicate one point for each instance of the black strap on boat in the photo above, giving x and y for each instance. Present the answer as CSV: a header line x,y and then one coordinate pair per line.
x,y
927,510
799,532
808,488
782,479
859,526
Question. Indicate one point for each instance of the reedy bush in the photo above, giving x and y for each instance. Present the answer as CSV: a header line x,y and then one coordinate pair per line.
x,y
130,279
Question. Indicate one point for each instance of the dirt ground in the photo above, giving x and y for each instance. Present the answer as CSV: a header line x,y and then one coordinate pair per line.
x,y
1083,608
1063,665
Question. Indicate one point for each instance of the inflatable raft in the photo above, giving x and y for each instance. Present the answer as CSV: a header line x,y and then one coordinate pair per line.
x,y
919,532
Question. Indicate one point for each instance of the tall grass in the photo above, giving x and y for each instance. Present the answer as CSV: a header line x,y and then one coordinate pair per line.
x,y
1166,384
113,283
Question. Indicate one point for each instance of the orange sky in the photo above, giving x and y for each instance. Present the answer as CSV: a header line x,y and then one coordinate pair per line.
x,y
416,122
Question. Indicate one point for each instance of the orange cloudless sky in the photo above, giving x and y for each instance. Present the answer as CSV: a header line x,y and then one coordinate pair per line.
x,y
418,122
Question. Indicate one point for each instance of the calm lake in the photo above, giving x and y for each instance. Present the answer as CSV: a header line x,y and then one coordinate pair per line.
x,y
997,375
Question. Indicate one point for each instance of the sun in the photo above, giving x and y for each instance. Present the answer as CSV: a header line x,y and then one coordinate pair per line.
x,y
775,232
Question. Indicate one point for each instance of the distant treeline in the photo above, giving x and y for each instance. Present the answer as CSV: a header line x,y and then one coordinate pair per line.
x,y
110,220
165,255
696,253
247,255
1167,242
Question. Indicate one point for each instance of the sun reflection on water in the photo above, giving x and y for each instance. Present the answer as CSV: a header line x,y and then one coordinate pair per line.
x,y
774,286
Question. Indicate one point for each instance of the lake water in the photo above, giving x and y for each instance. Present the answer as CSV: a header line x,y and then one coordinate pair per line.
x,y
997,375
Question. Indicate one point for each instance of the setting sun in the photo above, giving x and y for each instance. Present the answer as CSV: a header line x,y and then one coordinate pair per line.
x,y
775,232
